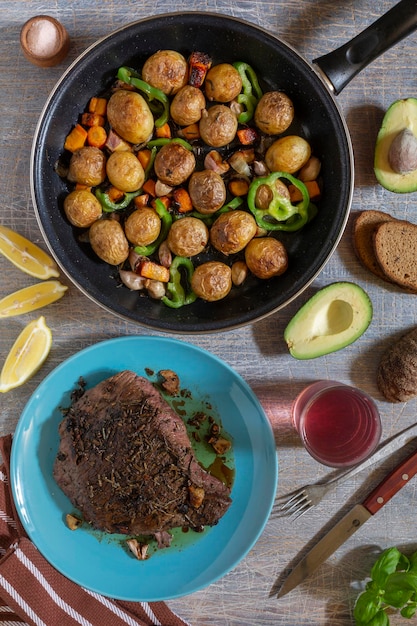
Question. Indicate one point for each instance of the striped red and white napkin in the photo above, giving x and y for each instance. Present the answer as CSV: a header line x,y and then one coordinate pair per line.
x,y
35,593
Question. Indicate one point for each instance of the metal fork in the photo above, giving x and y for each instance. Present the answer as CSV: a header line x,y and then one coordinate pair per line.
x,y
298,502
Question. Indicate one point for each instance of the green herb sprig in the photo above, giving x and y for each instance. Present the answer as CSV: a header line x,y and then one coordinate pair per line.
x,y
393,585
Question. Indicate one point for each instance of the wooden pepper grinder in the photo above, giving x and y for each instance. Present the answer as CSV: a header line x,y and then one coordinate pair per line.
x,y
44,41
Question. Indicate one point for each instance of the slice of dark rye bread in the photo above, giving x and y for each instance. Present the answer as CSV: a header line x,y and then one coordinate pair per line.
x,y
363,239
395,248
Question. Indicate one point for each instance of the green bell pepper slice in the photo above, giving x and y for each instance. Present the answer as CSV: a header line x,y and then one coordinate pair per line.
x,y
177,295
281,214
163,141
251,91
130,77
166,221
109,207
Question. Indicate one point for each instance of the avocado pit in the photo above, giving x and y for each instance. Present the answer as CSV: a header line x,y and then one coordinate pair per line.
x,y
402,154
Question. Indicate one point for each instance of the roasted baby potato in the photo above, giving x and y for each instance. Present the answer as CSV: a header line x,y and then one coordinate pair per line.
x,y
207,191
143,226
130,116
223,83
87,166
166,70
274,113
266,257
218,125
174,164
232,231
288,154
187,105
212,281
188,236
124,171
108,241
82,208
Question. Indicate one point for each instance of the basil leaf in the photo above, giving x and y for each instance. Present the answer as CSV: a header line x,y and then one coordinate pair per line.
x,y
397,598
366,607
413,562
409,610
385,565
380,619
401,581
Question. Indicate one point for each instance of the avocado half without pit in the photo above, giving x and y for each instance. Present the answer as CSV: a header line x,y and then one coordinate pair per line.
x,y
332,319
395,163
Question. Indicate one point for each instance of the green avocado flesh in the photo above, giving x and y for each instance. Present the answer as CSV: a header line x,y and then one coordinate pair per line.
x,y
332,319
400,116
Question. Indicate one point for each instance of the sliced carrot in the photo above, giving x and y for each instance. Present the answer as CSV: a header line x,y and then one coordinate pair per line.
x,y
149,187
114,194
312,188
92,119
144,157
96,136
149,269
165,200
182,200
163,132
238,187
199,64
141,201
190,133
98,105
79,186
247,136
76,138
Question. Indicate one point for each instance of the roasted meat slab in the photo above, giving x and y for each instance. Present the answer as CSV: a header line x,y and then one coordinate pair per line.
x,y
126,462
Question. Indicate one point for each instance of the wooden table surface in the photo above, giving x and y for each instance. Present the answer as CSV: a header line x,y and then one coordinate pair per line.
x,y
257,352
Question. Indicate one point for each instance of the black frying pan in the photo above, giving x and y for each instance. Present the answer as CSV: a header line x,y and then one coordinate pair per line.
x,y
279,67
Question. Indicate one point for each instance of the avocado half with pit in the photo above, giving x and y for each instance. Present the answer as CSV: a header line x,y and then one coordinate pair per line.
x,y
332,319
395,163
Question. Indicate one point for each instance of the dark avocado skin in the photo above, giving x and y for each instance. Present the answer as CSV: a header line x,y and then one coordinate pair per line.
x,y
402,114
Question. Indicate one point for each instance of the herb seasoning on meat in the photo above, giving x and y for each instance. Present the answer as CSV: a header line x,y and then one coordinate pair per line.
x,y
126,462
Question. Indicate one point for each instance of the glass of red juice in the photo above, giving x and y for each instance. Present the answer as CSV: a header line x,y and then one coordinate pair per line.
x,y
339,425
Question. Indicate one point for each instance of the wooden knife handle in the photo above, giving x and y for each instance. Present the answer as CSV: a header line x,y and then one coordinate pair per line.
x,y
391,484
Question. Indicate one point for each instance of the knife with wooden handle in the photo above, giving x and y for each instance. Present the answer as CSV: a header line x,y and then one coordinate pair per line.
x,y
351,522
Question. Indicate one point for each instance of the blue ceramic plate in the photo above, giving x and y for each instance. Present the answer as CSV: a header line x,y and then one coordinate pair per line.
x,y
100,562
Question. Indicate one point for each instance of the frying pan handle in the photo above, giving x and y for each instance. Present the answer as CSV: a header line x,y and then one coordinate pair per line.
x,y
341,65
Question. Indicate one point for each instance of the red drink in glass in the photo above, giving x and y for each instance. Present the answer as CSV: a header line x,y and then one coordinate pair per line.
x,y
339,425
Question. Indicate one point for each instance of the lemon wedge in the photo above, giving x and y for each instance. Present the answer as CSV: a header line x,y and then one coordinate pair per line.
x,y
31,298
26,255
26,355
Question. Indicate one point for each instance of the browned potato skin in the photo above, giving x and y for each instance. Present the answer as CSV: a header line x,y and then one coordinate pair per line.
x,y
174,164
223,83
232,231
274,113
108,241
266,257
212,281
82,208
207,191
288,154
166,70
188,236
124,171
264,194
87,166
130,117
218,125
187,105
143,226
